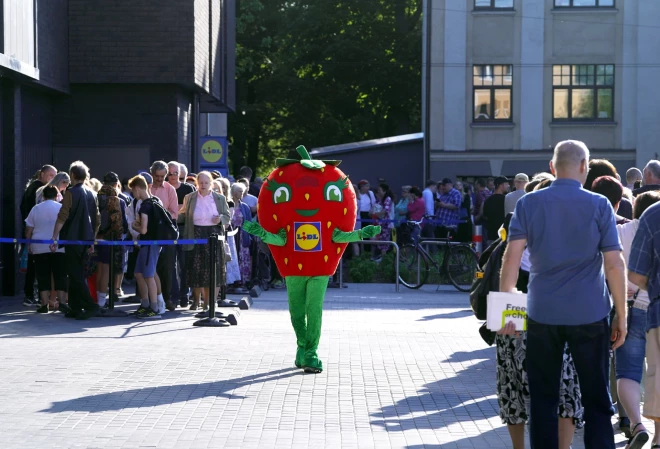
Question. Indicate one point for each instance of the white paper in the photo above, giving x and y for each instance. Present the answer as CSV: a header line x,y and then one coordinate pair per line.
x,y
505,307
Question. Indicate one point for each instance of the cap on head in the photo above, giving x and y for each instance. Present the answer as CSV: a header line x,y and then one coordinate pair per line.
x,y
446,181
110,178
521,177
363,182
147,177
500,180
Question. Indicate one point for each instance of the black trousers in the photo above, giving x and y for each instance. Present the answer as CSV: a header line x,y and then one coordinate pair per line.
x,y
166,261
79,296
590,345
30,276
47,265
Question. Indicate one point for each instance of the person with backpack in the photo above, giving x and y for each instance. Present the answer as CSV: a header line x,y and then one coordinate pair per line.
x,y
113,226
204,212
168,197
145,266
511,352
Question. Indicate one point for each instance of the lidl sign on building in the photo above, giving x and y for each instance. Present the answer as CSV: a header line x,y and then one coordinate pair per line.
x,y
213,152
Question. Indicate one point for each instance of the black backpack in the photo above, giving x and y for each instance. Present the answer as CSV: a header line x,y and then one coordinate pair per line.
x,y
487,275
161,224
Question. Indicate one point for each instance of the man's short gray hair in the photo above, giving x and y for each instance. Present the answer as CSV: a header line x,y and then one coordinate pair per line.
x,y
174,164
183,170
158,166
633,174
653,167
570,154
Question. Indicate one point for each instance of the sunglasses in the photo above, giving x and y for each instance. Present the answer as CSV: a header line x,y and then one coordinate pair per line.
x,y
173,174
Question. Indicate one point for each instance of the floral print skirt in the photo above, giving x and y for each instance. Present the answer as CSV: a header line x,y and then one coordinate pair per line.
x,y
513,386
198,266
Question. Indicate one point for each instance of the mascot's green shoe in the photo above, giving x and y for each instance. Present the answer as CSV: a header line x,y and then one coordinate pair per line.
x,y
300,357
313,364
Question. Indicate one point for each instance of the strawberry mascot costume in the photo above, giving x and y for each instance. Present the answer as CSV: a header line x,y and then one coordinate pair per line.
x,y
307,214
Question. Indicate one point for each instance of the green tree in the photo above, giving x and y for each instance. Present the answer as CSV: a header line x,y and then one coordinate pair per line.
x,y
324,73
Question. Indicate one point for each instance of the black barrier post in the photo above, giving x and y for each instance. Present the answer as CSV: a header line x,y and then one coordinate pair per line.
x,y
111,311
212,320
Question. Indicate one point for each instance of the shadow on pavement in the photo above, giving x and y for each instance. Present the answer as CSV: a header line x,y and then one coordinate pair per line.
x,y
167,394
456,314
467,396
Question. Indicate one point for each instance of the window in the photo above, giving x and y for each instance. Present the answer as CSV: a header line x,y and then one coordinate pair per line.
x,y
492,92
493,4
584,3
583,92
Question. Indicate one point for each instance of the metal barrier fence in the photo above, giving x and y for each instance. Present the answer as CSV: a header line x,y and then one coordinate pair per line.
x,y
374,242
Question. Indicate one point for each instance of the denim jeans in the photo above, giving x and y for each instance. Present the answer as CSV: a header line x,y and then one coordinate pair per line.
x,y
589,344
630,356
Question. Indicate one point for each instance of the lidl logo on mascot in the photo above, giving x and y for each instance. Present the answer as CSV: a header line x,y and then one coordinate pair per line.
x,y
308,237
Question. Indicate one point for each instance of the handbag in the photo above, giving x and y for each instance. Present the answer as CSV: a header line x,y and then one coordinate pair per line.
x,y
227,251
24,259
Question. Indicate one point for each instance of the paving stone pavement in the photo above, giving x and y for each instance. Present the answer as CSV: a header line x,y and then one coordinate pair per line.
x,y
402,370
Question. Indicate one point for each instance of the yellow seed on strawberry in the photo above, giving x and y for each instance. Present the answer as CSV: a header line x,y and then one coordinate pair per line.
x,y
281,173
288,228
338,250
325,258
274,217
322,170
329,224
345,211
307,196
300,266
286,261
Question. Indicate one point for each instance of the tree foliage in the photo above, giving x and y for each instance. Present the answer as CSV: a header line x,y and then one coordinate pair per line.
x,y
322,73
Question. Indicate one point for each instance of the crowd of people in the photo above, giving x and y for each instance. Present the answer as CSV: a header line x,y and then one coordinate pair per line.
x,y
572,235
75,279
585,248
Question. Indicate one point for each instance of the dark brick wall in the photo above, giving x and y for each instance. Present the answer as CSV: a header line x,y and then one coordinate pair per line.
x,y
184,128
119,115
202,71
36,131
53,43
137,41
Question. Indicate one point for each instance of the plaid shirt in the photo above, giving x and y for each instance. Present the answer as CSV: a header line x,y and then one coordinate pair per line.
x,y
644,259
449,217
480,198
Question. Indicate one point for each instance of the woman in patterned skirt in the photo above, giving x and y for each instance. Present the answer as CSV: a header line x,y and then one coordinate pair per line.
x,y
204,212
513,386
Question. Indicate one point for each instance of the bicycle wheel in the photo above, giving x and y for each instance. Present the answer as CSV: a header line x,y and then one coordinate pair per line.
x,y
413,266
460,265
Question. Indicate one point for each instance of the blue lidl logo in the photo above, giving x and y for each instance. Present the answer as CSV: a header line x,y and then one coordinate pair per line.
x,y
308,237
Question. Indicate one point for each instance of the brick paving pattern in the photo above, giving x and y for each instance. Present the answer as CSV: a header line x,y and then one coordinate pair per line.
x,y
405,370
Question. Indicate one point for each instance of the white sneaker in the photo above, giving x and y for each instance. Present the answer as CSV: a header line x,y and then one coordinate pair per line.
x,y
161,307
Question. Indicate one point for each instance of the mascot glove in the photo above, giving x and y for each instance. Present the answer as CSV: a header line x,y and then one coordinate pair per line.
x,y
370,231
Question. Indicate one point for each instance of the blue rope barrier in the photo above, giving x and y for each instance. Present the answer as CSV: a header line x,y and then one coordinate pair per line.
x,y
109,242
424,221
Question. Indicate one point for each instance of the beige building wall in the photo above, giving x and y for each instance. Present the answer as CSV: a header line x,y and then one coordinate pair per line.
x,y
533,36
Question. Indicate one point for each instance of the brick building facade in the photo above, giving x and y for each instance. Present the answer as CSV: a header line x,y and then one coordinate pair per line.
x,y
115,84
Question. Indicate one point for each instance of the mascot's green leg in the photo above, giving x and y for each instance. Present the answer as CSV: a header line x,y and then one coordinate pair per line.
x,y
296,287
316,287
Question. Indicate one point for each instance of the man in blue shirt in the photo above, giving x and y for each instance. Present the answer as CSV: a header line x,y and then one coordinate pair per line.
x,y
573,246
644,271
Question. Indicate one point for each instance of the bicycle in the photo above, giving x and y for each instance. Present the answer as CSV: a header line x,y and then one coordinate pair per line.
x,y
459,261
